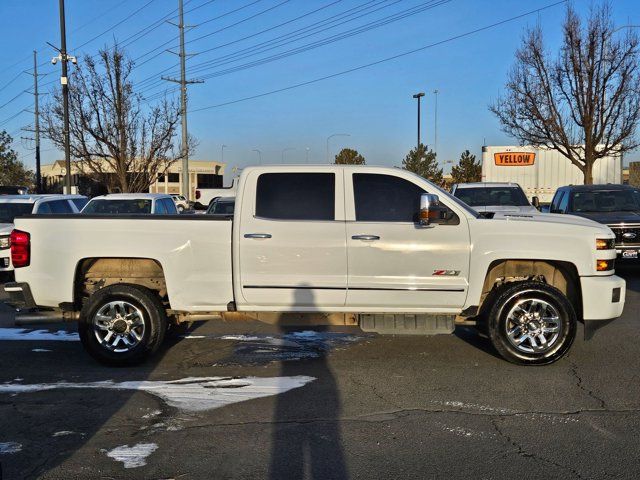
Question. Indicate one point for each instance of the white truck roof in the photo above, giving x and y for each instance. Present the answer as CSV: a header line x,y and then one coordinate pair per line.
x,y
35,198
487,185
132,196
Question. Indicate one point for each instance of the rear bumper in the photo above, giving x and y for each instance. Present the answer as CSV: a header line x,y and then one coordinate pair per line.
x,y
602,297
20,296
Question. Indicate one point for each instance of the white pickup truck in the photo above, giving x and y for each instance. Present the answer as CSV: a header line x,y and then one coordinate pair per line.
x,y
395,252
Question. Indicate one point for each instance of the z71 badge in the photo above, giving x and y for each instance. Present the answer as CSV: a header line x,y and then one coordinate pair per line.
x,y
447,273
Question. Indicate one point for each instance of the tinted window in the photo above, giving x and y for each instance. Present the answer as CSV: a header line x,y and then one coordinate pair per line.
x,y
104,206
9,211
606,201
555,203
564,202
79,202
485,196
169,206
296,196
160,208
44,208
60,206
384,198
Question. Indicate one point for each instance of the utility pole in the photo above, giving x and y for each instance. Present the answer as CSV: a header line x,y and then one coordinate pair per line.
x,y
183,101
63,57
418,96
36,124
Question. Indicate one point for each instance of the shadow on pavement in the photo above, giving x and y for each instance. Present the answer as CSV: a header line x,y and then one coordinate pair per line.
x,y
303,447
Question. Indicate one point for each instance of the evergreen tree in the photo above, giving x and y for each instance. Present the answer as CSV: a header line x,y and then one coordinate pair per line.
x,y
423,162
467,170
12,170
348,156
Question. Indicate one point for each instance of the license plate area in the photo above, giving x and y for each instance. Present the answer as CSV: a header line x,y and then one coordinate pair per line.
x,y
629,254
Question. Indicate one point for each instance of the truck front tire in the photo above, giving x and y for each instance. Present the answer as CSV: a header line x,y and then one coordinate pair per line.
x,y
122,325
531,323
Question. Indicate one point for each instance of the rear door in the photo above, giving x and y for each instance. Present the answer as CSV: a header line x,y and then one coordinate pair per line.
x,y
292,239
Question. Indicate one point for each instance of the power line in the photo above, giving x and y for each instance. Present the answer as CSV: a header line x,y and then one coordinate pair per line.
x,y
340,36
384,60
14,98
322,24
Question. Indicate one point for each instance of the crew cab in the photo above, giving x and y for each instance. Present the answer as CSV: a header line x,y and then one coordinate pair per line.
x,y
617,206
378,247
14,205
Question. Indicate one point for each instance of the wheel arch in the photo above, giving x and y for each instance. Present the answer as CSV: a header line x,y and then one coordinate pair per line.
x,y
94,273
559,274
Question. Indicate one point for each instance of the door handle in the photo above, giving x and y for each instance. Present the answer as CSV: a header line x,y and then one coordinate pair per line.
x,y
257,235
365,237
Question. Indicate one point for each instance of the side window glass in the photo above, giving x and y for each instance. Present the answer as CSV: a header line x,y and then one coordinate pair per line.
x,y
60,207
564,203
296,196
44,208
385,198
170,206
160,208
79,202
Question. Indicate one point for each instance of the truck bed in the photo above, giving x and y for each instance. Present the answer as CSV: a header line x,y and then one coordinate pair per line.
x,y
193,250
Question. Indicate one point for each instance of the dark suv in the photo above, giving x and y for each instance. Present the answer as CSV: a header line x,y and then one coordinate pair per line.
x,y
617,206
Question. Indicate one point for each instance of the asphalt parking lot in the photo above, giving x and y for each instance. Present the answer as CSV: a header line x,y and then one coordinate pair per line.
x,y
249,401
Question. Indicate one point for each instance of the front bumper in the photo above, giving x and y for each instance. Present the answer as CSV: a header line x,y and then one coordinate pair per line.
x,y
602,297
20,296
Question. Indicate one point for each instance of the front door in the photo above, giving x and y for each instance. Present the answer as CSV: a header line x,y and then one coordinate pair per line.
x,y
292,240
394,264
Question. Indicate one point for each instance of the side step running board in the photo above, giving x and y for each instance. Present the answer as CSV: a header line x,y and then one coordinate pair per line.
x,y
407,324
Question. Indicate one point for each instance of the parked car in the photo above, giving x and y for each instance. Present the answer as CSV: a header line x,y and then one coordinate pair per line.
x,y
617,206
221,206
204,196
494,197
12,206
131,204
394,251
181,203
13,190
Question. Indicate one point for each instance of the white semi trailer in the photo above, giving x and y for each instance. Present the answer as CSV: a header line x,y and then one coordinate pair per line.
x,y
540,171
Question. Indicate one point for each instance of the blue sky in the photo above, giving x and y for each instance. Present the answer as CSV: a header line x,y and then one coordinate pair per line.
x,y
373,105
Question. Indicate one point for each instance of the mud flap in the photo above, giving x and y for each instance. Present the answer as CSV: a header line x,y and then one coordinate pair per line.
x,y
592,326
407,324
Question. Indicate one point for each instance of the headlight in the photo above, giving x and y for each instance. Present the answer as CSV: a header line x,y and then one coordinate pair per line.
x,y
4,242
605,243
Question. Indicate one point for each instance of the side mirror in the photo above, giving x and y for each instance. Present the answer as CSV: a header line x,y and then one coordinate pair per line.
x,y
429,210
535,201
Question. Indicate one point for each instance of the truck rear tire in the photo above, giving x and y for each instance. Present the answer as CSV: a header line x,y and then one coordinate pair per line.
x,y
122,325
531,323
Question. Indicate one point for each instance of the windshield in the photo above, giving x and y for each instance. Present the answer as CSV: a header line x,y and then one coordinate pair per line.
x,y
9,211
106,206
221,208
606,201
486,196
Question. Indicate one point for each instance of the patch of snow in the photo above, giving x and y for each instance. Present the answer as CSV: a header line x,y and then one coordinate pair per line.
x,y
243,338
63,433
154,413
192,394
133,457
466,432
38,335
10,447
40,350
193,336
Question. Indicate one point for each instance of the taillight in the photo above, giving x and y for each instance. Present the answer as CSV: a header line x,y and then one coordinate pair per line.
x,y
20,248
197,194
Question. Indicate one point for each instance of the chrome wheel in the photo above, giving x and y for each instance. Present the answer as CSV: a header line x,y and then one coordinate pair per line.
x,y
533,326
119,326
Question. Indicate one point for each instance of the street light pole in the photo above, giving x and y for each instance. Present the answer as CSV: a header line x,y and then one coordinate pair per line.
x,y
334,135
435,123
286,150
418,96
65,97
259,155
307,149
222,155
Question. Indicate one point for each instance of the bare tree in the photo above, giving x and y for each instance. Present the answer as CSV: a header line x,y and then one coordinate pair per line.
x,y
114,139
586,102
